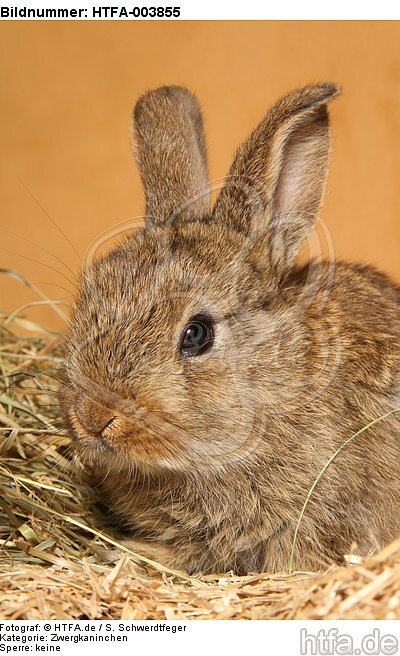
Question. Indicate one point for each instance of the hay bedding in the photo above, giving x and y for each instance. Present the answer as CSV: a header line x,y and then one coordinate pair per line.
x,y
60,560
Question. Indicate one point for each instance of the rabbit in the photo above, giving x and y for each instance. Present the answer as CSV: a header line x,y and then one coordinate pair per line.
x,y
209,375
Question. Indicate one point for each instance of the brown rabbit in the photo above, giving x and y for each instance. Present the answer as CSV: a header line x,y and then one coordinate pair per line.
x,y
208,378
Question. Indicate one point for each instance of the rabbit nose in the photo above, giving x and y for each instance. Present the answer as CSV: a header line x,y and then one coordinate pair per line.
x,y
94,416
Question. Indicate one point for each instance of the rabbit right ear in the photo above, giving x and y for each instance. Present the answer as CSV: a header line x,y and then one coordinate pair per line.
x,y
275,186
168,143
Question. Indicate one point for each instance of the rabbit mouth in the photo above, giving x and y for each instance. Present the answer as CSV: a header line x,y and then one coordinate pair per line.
x,y
82,430
88,442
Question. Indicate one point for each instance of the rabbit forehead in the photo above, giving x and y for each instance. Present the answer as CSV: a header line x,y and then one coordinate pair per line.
x,y
162,265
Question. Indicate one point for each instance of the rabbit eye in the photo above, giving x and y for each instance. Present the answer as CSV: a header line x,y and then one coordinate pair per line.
x,y
197,336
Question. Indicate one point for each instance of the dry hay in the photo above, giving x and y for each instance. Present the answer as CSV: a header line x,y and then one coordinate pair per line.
x,y
60,560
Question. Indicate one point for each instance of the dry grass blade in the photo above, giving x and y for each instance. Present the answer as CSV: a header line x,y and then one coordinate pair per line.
x,y
323,470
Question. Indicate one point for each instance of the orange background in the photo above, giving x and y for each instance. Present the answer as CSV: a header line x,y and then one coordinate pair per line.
x,y
66,97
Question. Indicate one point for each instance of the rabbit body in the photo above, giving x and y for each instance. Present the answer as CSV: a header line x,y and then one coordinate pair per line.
x,y
207,460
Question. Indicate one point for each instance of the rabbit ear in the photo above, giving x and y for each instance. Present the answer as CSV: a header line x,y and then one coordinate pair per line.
x,y
277,179
168,142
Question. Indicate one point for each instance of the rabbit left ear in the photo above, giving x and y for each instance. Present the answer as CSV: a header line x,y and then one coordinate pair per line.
x,y
277,179
169,146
